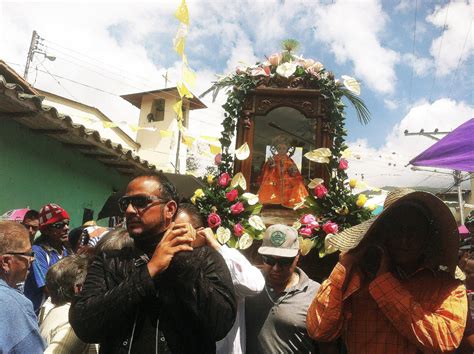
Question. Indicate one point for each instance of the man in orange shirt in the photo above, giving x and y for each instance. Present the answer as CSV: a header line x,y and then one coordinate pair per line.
x,y
394,290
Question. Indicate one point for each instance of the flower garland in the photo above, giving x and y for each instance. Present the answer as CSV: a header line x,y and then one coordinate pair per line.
x,y
230,212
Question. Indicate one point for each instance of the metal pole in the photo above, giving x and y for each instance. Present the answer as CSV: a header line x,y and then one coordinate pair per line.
x,y
457,180
176,166
29,58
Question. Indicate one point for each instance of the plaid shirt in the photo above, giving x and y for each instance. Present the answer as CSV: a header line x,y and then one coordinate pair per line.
x,y
425,313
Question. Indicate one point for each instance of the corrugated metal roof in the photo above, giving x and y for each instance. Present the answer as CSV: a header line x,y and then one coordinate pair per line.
x,y
28,110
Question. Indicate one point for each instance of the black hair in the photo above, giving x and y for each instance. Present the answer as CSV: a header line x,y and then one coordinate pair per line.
x,y
167,189
74,236
31,215
196,217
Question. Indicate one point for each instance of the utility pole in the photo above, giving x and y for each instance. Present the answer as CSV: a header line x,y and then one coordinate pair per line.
x,y
31,52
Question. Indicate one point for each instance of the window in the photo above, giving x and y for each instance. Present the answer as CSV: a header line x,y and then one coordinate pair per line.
x,y
157,113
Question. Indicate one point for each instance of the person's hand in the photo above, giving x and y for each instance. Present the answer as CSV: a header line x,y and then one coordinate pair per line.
x,y
200,238
176,239
208,235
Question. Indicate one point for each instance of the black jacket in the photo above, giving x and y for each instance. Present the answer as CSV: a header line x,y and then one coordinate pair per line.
x,y
186,309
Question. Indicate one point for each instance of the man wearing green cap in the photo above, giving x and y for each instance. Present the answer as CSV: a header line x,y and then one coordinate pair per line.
x,y
276,318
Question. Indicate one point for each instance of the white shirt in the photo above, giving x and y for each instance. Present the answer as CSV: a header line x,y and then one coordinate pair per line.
x,y
248,281
59,335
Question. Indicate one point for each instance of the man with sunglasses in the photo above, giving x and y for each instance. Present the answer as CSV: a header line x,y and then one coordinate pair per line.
x,y
18,326
49,248
276,318
161,295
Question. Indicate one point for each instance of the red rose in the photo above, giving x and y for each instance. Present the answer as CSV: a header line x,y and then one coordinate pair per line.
x,y
232,195
320,191
224,179
343,164
305,232
237,208
238,230
213,220
330,227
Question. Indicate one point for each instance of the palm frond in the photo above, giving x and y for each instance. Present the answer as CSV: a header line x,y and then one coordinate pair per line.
x,y
290,44
363,113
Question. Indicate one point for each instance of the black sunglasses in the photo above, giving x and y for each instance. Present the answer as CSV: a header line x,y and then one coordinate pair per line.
x,y
282,262
139,202
26,254
59,225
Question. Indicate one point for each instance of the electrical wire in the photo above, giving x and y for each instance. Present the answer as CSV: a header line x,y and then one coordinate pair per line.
x,y
459,61
58,82
413,54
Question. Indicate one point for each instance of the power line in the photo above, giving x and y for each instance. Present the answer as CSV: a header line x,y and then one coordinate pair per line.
x,y
413,53
59,83
439,51
459,60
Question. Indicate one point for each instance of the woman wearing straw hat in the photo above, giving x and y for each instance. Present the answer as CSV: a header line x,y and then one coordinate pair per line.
x,y
394,288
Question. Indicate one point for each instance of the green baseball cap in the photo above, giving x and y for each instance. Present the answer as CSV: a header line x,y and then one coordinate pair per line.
x,y
281,241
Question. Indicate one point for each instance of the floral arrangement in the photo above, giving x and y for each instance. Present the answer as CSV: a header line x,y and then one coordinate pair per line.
x,y
230,212
332,207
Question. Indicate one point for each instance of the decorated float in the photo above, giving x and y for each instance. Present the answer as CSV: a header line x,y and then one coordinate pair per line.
x,y
290,158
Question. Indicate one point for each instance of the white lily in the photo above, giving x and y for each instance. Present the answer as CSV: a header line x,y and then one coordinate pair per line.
x,y
245,241
286,69
251,198
351,84
257,223
346,154
328,248
320,155
239,180
243,152
223,235
306,244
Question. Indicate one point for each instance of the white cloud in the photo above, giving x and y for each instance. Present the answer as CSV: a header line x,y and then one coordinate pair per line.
x,y
456,36
345,27
390,104
420,66
386,166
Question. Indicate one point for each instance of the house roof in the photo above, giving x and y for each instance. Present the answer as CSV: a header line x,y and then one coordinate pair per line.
x,y
11,75
97,112
27,109
136,98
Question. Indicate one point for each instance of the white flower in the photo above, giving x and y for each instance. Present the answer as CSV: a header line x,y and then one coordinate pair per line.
x,y
286,69
328,248
320,155
346,154
223,235
239,180
242,152
306,245
245,241
251,198
351,84
256,222
315,68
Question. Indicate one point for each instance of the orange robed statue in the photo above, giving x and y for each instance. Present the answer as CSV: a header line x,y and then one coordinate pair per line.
x,y
281,182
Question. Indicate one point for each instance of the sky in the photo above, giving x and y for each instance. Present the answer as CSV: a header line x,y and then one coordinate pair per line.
x,y
413,58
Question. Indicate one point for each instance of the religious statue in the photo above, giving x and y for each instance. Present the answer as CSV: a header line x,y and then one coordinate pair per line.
x,y
280,180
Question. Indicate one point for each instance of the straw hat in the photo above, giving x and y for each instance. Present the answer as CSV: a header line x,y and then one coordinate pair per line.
x,y
444,223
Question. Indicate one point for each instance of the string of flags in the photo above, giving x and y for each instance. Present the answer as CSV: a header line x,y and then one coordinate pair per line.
x,y
188,76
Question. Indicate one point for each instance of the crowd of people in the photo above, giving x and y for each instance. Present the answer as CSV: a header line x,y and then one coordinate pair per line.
x,y
162,283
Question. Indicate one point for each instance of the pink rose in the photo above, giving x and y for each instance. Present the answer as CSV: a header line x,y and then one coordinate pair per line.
x,y
306,232
320,191
275,59
260,71
343,164
238,230
240,70
218,159
330,227
213,220
237,208
307,219
224,179
232,195
313,225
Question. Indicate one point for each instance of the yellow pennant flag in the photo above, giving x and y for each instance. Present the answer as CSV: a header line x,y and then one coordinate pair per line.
x,y
215,149
182,13
134,127
166,133
189,76
178,109
211,139
179,45
109,124
183,90
188,140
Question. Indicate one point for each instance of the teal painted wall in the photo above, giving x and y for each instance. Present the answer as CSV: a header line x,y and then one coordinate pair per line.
x,y
36,169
